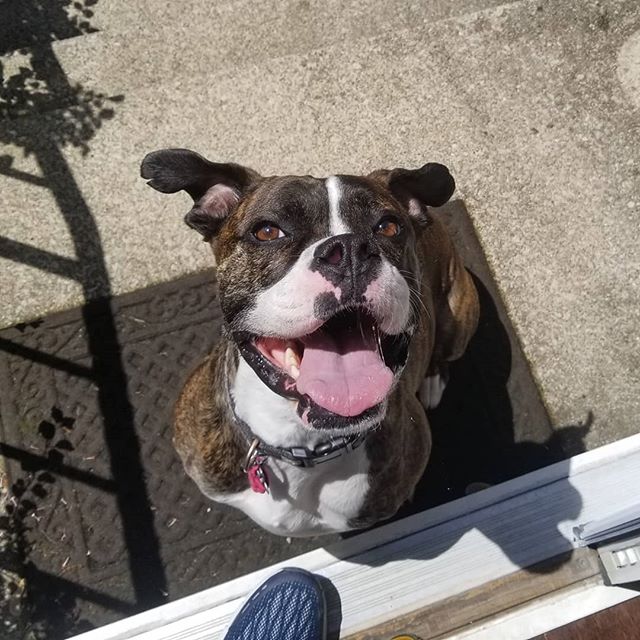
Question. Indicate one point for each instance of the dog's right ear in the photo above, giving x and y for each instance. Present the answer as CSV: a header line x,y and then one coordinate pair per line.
x,y
430,185
215,188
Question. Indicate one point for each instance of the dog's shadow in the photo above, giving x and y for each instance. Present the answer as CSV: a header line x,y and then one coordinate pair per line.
x,y
492,426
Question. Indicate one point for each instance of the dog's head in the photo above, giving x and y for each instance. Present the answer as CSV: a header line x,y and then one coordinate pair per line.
x,y
319,280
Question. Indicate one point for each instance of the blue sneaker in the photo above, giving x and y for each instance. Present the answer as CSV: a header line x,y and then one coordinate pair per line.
x,y
290,605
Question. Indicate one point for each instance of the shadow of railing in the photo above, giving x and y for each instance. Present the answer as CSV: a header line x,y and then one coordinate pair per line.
x,y
41,112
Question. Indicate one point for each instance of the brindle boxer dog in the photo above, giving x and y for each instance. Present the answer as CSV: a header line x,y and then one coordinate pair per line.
x,y
343,300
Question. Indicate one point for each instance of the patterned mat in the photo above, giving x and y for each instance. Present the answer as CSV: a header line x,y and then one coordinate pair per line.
x,y
107,522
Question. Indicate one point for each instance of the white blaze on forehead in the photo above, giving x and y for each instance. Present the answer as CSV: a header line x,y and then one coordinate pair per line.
x,y
337,225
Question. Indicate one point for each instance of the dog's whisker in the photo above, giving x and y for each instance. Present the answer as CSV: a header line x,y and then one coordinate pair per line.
x,y
378,342
416,298
360,324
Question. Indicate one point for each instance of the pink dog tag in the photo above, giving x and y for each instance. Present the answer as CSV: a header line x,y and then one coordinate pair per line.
x,y
257,475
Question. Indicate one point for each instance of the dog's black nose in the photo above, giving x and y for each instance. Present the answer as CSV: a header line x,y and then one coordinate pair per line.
x,y
346,255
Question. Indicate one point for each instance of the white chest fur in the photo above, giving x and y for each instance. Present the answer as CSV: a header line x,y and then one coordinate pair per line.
x,y
301,501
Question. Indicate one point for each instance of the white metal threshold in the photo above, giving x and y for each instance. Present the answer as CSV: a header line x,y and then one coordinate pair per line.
x,y
419,561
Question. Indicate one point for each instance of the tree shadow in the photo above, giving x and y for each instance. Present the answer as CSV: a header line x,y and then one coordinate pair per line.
x,y
23,513
41,112
26,23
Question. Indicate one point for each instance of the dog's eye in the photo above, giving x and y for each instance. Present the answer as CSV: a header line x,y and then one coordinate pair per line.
x,y
265,231
388,226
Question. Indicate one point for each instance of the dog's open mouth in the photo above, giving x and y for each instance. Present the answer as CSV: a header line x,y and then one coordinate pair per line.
x,y
345,367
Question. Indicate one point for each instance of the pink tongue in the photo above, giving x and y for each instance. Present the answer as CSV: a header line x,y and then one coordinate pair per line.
x,y
346,376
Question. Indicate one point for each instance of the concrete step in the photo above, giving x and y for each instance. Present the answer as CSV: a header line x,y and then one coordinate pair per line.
x,y
160,40
524,102
248,74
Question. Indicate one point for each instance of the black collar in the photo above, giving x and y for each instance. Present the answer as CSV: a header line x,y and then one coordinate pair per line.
x,y
296,456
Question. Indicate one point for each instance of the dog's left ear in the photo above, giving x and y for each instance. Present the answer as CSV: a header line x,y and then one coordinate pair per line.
x,y
215,188
430,185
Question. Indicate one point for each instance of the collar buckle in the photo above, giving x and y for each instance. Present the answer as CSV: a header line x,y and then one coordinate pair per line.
x,y
252,454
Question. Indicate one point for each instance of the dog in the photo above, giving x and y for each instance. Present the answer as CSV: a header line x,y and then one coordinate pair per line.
x,y
343,301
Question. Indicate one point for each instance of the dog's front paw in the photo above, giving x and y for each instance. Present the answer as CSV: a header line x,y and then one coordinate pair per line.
x,y
431,390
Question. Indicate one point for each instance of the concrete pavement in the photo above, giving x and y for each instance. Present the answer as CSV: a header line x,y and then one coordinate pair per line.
x,y
535,106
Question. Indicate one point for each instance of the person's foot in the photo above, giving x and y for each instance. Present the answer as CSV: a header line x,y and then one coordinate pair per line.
x,y
288,606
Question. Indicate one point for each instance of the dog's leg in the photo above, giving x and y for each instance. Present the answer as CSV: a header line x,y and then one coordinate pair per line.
x,y
433,386
456,322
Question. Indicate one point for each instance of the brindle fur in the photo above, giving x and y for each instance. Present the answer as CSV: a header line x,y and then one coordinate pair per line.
x,y
400,448
213,450
444,297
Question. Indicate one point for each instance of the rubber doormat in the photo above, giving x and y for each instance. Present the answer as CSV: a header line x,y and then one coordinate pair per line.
x,y
107,522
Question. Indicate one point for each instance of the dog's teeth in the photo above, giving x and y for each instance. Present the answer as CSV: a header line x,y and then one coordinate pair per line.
x,y
292,362
291,358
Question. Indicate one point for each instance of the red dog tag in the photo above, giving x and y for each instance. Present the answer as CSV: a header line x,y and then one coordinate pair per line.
x,y
257,475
